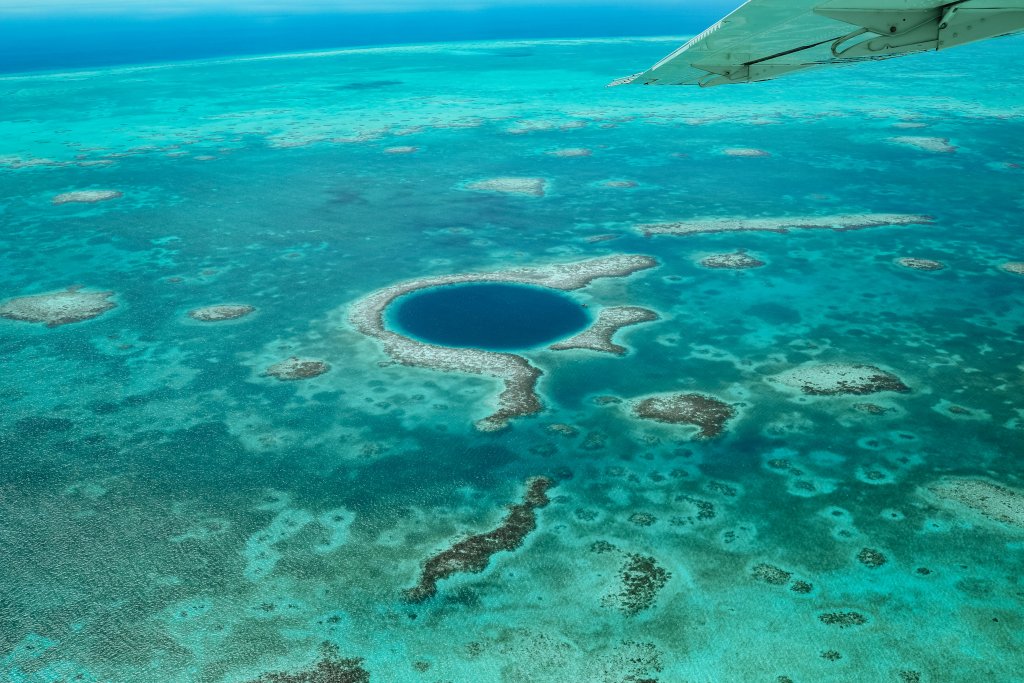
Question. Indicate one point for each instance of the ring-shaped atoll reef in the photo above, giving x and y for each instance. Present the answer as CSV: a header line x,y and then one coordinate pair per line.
x,y
519,398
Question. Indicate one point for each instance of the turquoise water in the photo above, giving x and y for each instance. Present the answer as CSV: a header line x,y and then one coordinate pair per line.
x,y
171,513
488,316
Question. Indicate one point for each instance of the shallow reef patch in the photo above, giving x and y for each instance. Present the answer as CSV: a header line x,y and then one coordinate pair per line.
x,y
735,260
871,558
770,574
920,263
925,143
842,619
992,501
708,414
296,368
831,379
640,580
221,312
54,309
87,196
329,668
570,152
745,152
1015,267
527,187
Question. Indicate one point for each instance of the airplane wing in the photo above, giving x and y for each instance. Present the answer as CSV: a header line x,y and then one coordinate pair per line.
x,y
764,39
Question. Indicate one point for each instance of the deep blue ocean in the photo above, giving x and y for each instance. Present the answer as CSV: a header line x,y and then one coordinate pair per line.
x,y
54,42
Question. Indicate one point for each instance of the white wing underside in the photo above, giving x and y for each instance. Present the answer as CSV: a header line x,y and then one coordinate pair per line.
x,y
764,39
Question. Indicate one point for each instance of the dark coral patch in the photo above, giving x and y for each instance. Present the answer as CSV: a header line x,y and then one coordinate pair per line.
x,y
843,619
473,554
871,558
769,573
642,518
642,577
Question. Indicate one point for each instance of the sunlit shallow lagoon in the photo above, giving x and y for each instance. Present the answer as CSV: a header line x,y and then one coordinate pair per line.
x,y
172,512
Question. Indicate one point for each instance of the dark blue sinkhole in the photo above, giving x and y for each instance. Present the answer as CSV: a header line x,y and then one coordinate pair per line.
x,y
492,315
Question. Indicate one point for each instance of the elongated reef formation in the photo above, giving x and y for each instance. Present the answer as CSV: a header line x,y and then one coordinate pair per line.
x,y
87,196
925,143
295,368
571,152
745,152
473,554
737,260
213,314
598,337
920,263
838,222
519,376
531,187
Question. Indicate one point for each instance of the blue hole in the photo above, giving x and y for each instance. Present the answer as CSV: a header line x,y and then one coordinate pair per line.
x,y
493,316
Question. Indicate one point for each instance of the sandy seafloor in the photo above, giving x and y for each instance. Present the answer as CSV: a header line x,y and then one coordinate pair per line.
x,y
169,514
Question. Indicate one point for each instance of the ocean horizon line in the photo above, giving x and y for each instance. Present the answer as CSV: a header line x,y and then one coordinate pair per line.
x,y
431,46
